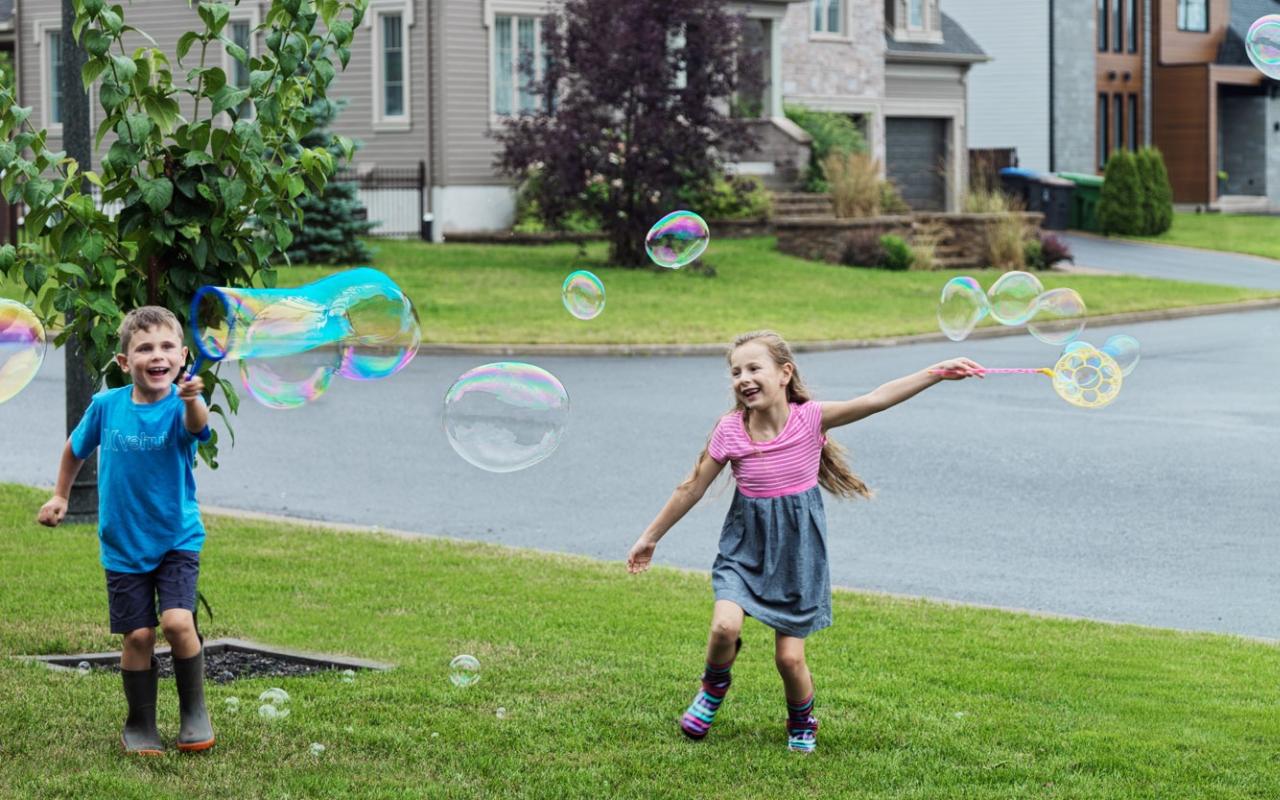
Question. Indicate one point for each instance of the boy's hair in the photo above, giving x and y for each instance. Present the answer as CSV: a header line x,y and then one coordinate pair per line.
x,y
144,319
834,473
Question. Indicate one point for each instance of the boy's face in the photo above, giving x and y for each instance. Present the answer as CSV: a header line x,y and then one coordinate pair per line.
x,y
155,358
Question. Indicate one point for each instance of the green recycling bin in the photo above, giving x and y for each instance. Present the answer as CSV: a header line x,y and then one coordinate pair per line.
x,y
1084,203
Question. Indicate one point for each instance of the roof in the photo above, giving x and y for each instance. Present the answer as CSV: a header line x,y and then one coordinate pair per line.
x,y
1243,14
956,45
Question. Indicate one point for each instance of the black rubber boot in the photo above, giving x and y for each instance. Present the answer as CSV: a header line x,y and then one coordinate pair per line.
x,y
196,733
140,736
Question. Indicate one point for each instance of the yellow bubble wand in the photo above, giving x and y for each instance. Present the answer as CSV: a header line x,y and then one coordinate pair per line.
x,y
1084,377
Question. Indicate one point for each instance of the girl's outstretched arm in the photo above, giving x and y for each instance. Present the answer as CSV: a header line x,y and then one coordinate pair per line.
x,y
685,497
835,414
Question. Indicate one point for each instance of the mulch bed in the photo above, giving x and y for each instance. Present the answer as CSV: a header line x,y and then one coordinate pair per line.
x,y
230,665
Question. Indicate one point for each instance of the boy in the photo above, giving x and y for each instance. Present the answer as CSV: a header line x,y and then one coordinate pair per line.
x,y
149,523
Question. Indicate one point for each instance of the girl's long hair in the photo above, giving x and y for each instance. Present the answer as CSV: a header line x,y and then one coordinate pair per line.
x,y
834,473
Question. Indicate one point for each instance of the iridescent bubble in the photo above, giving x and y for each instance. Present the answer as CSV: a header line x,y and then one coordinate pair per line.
x,y
386,334
677,239
22,346
1262,43
505,416
348,676
232,705
583,294
1013,297
1059,316
289,381
464,670
275,704
316,748
961,307
1125,350
83,667
1077,344
501,713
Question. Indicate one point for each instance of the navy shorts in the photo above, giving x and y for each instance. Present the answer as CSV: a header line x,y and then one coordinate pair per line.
x,y
132,595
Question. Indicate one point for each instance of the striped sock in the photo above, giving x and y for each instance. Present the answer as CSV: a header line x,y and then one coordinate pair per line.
x,y
701,713
802,726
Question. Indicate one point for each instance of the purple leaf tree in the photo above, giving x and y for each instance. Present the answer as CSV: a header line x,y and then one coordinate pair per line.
x,y
636,98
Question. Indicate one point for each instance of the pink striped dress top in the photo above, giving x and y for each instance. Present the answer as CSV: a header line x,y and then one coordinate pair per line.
x,y
786,464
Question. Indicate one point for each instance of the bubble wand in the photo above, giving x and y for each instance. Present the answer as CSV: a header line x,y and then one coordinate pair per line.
x,y
1084,377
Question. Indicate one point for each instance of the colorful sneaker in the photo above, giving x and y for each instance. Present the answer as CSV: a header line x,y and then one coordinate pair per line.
x,y
802,737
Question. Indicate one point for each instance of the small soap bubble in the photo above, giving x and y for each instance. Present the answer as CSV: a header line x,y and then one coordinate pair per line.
x,y
505,416
677,239
232,705
1125,350
1013,297
435,734
1262,43
316,748
348,676
464,670
22,347
1059,316
961,307
275,704
501,713
83,668
583,295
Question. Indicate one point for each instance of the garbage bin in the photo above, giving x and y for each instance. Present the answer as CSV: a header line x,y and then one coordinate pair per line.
x,y
1017,183
1055,200
1084,203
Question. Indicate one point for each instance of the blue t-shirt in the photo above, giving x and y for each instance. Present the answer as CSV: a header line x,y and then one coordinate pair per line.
x,y
146,492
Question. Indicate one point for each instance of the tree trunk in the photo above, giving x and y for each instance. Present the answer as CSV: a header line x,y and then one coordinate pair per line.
x,y
626,246
81,383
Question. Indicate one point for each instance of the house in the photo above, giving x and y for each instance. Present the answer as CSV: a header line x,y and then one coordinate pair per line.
x,y
899,68
1038,93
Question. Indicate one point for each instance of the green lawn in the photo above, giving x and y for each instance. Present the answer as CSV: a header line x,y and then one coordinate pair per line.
x,y
1232,233
593,667
496,294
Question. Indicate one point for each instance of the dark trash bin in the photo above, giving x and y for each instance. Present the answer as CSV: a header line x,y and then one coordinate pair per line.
x,y
1017,182
1054,198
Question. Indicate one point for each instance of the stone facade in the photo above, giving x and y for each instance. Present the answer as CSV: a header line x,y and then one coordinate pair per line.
x,y
1074,98
1243,152
827,239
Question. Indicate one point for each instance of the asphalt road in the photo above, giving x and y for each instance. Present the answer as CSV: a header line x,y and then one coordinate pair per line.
x,y
1179,263
1159,509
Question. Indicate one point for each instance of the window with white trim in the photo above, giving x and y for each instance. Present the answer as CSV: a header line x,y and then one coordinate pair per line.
x,y
53,72
1193,15
240,32
915,15
392,95
828,16
517,48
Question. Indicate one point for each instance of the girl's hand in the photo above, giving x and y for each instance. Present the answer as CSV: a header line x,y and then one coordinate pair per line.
x,y
957,369
641,555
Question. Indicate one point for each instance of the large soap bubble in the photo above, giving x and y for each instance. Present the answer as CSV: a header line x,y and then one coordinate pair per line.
x,y
1125,350
358,324
1013,297
677,239
1059,316
1262,43
961,307
505,416
583,294
22,346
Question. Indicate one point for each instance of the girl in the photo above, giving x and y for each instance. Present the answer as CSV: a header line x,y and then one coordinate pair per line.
x,y
773,556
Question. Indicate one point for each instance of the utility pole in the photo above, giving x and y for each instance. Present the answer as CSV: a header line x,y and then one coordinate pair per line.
x,y
81,385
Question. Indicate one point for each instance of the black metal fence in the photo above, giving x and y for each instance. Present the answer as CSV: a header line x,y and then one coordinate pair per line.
x,y
395,198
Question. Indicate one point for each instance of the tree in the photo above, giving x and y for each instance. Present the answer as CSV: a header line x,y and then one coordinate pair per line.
x,y
1157,194
205,200
1120,205
635,98
332,222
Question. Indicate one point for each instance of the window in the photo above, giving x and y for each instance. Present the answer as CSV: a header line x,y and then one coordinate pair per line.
x,y
390,23
1103,36
915,14
392,54
1133,121
54,86
1104,130
1131,24
1118,102
517,49
241,33
1193,15
828,16
1117,27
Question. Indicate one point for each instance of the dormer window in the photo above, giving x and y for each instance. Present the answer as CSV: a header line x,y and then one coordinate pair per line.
x,y
914,20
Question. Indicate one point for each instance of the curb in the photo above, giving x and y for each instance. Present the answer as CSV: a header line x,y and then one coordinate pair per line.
x,y
345,527
718,349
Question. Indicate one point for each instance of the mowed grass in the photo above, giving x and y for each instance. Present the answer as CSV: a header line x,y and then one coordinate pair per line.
x,y
593,667
1232,233
480,294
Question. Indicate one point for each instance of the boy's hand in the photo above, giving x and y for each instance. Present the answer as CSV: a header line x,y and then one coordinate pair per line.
x,y
957,369
641,555
52,512
190,390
